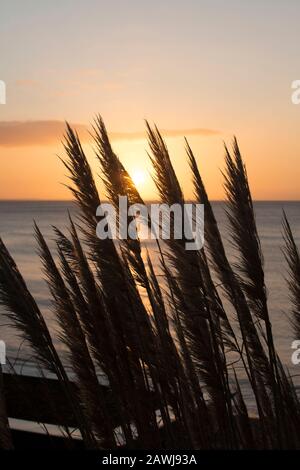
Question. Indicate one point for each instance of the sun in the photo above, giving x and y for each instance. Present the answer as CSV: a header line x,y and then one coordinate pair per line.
x,y
138,177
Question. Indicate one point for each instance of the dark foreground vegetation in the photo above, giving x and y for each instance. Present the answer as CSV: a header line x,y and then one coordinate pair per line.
x,y
170,362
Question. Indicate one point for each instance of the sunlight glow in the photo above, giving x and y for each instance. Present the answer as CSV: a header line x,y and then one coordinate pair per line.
x,y
138,177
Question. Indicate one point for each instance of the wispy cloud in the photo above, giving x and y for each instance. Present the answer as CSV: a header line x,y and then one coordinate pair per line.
x,y
165,132
36,133
27,83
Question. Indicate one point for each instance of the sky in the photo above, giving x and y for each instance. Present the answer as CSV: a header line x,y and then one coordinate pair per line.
x,y
204,69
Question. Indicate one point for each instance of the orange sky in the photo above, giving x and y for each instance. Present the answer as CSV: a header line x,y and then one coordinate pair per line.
x,y
35,172
204,69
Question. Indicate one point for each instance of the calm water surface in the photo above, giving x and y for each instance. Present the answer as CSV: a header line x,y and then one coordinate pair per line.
x,y
16,229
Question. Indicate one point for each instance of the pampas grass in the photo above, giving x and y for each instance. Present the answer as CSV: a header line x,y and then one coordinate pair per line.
x,y
162,344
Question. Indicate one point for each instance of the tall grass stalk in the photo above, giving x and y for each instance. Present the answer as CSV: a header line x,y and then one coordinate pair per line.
x,y
162,343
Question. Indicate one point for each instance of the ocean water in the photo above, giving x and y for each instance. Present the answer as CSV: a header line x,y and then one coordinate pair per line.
x,y
16,229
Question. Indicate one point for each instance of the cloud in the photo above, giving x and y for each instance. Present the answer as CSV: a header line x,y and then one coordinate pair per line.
x,y
27,83
165,132
41,133
35,133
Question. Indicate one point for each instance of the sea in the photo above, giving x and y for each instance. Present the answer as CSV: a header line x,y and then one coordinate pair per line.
x,y
16,230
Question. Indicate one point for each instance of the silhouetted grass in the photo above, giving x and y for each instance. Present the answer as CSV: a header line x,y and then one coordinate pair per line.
x,y
163,345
